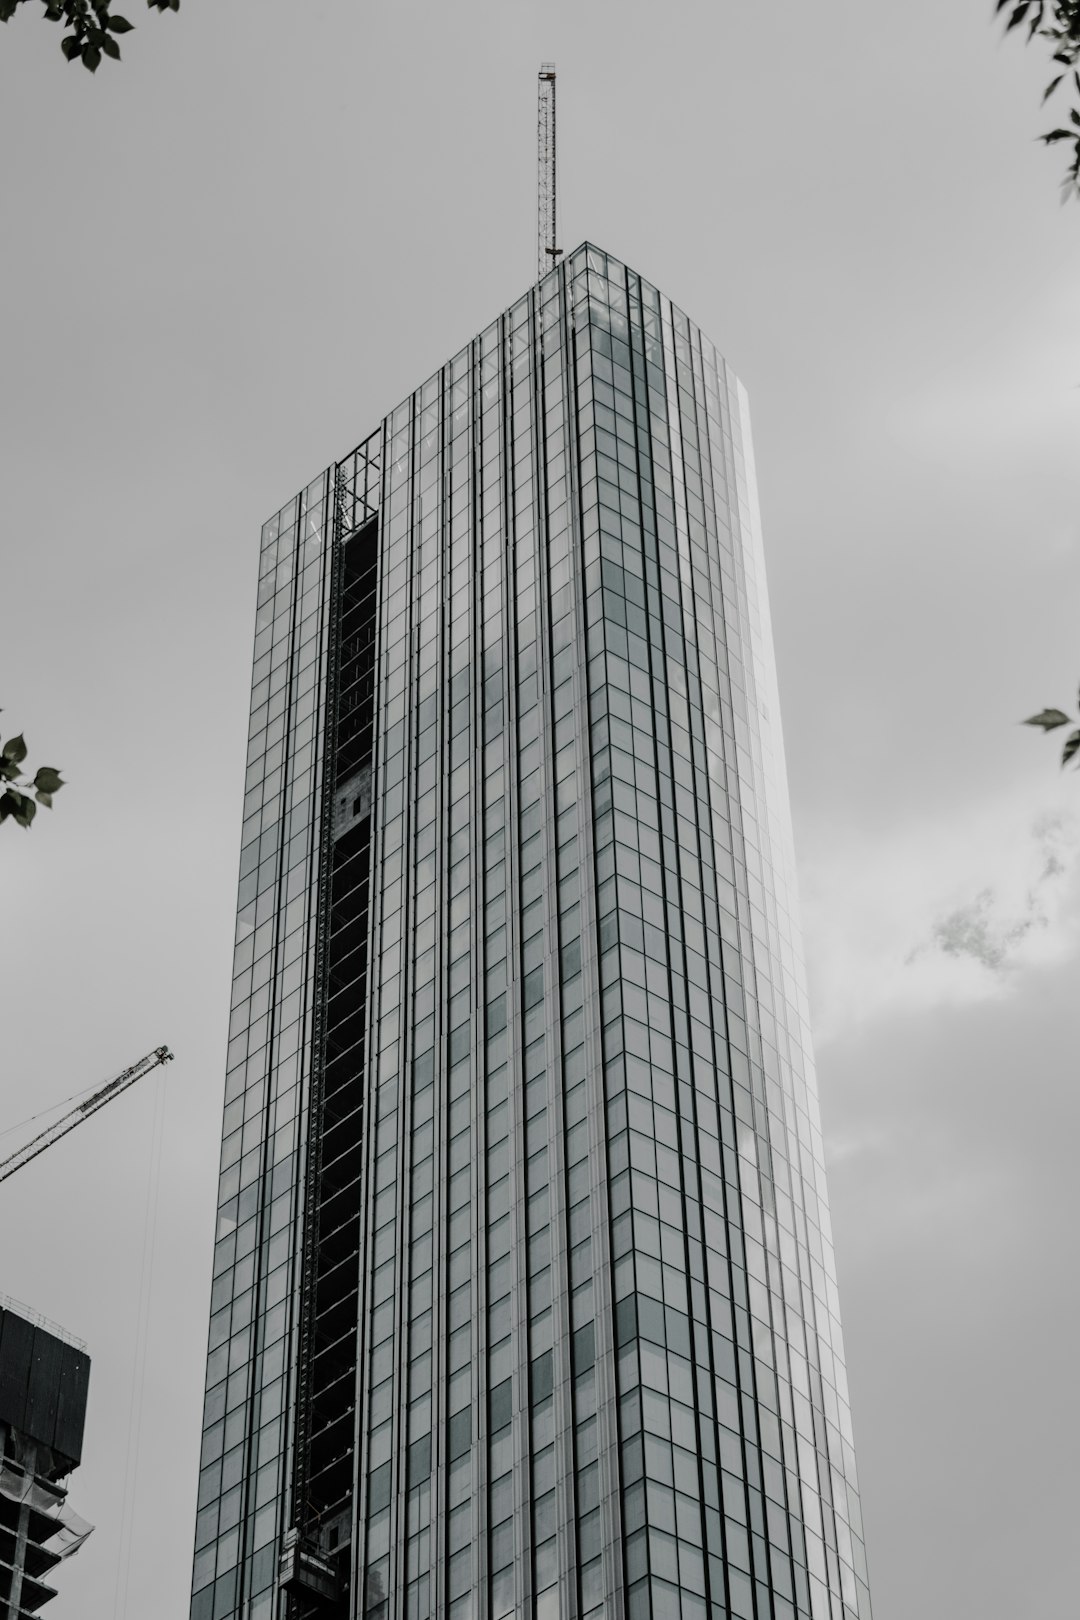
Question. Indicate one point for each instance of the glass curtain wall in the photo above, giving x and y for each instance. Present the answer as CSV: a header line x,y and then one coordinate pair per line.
x,y
598,1361
251,1354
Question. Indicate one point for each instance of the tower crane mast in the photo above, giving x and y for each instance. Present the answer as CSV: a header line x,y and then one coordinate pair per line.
x,y
547,253
82,1111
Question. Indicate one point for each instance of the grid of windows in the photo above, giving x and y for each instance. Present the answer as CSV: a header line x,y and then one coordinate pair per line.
x,y
244,1462
598,1357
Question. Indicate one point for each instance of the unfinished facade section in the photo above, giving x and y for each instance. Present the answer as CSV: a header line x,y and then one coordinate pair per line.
x,y
44,1377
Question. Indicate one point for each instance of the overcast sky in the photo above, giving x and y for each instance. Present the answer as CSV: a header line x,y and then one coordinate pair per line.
x,y
223,261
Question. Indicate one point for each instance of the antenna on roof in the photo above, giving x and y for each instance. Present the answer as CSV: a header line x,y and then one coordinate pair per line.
x,y
547,254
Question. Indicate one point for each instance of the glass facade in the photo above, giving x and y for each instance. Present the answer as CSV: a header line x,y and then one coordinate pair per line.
x,y
524,1297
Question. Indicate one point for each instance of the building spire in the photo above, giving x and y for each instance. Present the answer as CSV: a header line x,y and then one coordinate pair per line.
x,y
547,253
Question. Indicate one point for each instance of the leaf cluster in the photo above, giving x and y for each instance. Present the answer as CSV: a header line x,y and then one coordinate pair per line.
x,y
1050,720
21,796
93,24
1057,21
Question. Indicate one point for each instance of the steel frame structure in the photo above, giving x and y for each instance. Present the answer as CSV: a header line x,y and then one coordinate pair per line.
x,y
547,254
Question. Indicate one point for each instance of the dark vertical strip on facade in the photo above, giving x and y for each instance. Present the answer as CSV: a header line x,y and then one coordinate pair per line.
x,y
375,512
309,1147
335,1136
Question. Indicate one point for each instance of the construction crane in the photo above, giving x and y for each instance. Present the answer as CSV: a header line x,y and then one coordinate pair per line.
x,y
75,1116
547,254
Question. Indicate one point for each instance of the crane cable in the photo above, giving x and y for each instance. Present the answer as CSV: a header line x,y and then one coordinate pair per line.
x,y
133,1447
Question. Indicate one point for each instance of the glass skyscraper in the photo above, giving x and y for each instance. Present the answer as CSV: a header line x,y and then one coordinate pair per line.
x,y
524,1299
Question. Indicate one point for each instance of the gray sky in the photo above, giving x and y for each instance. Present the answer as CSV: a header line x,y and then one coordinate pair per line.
x,y
223,261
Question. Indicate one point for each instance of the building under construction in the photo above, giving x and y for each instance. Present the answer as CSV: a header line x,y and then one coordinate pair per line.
x,y
523,1298
44,1375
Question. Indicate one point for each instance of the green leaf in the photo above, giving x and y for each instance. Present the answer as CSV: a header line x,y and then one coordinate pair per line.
x,y
1018,15
91,57
45,799
18,807
1072,746
119,25
1048,719
1052,86
48,779
71,47
9,770
7,9
15,748
110,47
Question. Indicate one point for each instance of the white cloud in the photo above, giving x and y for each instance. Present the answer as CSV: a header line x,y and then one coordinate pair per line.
x,y
942,913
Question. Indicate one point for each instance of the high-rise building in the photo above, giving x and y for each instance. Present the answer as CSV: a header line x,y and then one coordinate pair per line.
x,y
524,1299
44,1377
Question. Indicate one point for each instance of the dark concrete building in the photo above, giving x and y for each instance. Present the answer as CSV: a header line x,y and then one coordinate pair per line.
x,y
44,1376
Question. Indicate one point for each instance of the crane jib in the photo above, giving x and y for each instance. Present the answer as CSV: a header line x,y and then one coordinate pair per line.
x,y
67,1122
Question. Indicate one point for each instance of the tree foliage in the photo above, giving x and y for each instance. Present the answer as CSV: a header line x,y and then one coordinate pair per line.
x,y
1057,21
93,26
21,793
1050,720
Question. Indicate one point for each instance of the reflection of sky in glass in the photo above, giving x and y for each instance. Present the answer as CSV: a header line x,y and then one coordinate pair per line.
x,y
599,1336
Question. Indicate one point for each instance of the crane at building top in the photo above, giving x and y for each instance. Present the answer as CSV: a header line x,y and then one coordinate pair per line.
x,y
547,254
82,1111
